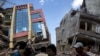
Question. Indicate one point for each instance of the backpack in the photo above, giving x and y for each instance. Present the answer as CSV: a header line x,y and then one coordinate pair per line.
x,y
17,53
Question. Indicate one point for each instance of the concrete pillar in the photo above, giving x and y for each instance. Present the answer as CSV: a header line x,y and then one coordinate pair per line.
x,y
96,47
93,27
86,26
74,40
67,41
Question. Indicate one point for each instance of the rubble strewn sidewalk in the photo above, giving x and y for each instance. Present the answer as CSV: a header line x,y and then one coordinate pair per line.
x,y
69,53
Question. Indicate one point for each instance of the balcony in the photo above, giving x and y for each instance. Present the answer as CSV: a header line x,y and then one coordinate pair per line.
x,y
89,34
90,17
4,38
7,22
4,27
86,36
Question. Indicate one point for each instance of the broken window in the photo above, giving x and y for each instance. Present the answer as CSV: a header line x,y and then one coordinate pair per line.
x,y
63,31
82,25
86,26
63,47
89,26
59,42
73,13
97,29
69,41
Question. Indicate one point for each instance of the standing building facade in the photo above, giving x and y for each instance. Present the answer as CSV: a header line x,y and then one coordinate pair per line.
x,y
42,37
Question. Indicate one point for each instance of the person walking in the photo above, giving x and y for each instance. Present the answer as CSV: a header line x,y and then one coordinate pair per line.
x,y
51,50
87,50
19,51
42,52
79,49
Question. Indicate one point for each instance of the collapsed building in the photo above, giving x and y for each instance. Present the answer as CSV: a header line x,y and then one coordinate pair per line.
x,y
81,25
4,25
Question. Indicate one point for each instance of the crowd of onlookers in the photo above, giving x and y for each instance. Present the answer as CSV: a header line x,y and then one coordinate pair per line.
x,y
22,49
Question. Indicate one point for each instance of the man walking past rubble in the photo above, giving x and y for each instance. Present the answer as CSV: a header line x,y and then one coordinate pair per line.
x,y
79,49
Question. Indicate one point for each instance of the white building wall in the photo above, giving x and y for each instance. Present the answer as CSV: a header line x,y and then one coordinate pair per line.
x,y
44,31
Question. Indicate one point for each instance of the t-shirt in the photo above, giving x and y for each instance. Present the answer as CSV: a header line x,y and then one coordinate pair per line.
x,y
83,54
91,54
42,54
16,53
21,52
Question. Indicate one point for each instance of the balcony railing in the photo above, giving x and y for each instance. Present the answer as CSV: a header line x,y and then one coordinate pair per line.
x,y
90,17
89,33
7,21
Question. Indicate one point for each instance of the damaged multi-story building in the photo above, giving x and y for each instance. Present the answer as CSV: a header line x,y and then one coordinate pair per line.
x,y
81,25
21,27
4,25
39,30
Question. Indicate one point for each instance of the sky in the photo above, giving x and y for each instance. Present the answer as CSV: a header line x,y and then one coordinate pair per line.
x,y
54,11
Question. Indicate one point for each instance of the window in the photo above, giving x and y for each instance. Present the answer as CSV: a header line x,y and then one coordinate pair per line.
x,y
10,16
37,27
64,21
82,25
73,13
36,15
62,31
63,47
89,26
21,22
59,42
97,29
86,26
